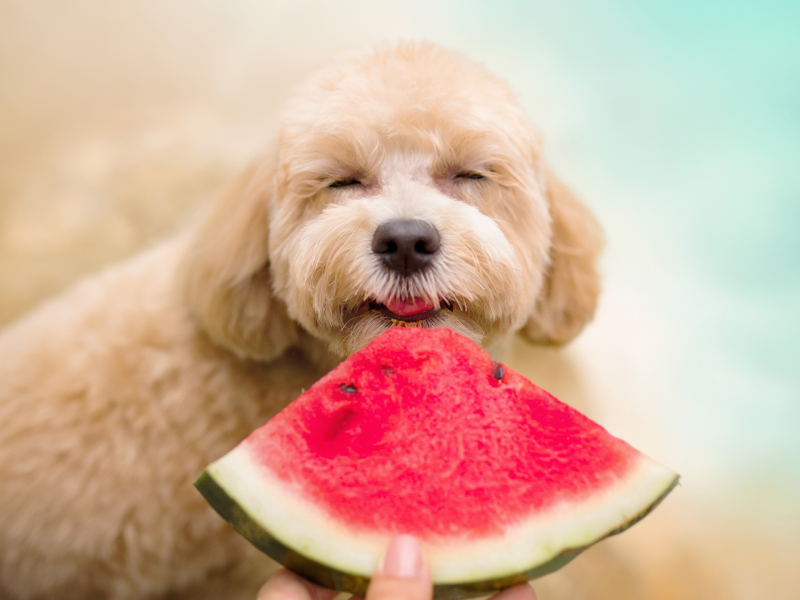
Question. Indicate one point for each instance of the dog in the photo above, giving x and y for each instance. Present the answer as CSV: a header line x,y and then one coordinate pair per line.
x,y
406,188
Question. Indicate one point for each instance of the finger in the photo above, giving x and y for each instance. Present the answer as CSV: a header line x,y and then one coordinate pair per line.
x,y
285,585
403,573
523,591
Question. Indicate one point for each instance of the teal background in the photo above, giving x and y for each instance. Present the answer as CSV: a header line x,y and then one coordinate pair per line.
x,y
679,124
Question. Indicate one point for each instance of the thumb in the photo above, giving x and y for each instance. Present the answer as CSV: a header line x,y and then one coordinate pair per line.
x,y
403,574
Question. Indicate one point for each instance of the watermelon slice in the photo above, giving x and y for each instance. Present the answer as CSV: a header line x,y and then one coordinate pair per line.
x,y
421,433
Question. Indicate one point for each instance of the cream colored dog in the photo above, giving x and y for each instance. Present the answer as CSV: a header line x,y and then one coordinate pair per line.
x,y
406,187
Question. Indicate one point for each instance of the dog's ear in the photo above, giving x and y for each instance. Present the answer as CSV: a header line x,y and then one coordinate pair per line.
x,y
226,272
569,296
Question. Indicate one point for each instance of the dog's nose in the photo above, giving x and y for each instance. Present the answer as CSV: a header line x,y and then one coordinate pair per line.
x,y
406,246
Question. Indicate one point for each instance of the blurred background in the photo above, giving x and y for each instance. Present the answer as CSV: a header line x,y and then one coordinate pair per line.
x,y
677,122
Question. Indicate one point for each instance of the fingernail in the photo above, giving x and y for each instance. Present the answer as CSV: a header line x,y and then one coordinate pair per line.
x,y
404,558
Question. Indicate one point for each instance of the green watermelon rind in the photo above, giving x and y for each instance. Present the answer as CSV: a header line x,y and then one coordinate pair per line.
x,y
221,492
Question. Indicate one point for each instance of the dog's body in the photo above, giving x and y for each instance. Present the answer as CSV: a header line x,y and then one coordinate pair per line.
x,y
113,402
114,396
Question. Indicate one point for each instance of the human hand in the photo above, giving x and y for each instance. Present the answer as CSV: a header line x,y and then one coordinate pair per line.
x,y
402,575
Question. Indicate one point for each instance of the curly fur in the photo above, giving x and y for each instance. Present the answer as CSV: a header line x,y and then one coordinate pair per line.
x,y
115,395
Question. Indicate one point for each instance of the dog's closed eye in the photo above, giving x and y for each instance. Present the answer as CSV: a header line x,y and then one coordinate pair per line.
x,y
470,175
344,183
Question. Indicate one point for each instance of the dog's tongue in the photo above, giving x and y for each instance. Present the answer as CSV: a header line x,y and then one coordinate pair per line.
x,y
408,308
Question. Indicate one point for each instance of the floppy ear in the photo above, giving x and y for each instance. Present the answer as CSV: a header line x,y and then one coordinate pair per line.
x,y
226,273
569,296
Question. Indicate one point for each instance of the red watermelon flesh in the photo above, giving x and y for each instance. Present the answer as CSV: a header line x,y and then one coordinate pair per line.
x,y
422,433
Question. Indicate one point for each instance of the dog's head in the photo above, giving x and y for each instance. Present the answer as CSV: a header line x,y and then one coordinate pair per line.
x,y
407,188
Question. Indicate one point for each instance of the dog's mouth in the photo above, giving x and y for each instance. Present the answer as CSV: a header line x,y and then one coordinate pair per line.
x,y
409,312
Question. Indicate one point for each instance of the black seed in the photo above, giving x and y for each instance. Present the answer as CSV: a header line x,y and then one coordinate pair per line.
x,y
348,388
497,371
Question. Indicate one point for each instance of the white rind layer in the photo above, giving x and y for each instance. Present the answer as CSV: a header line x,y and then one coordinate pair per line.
x,y
306,528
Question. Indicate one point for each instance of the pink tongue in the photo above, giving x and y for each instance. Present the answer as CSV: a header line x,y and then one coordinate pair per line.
x,y
406,308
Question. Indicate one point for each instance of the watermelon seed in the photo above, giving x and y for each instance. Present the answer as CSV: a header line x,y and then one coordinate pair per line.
x,y
348,389
387,370
497,371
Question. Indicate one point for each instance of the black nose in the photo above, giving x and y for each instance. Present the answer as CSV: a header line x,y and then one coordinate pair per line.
x,y
406,246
